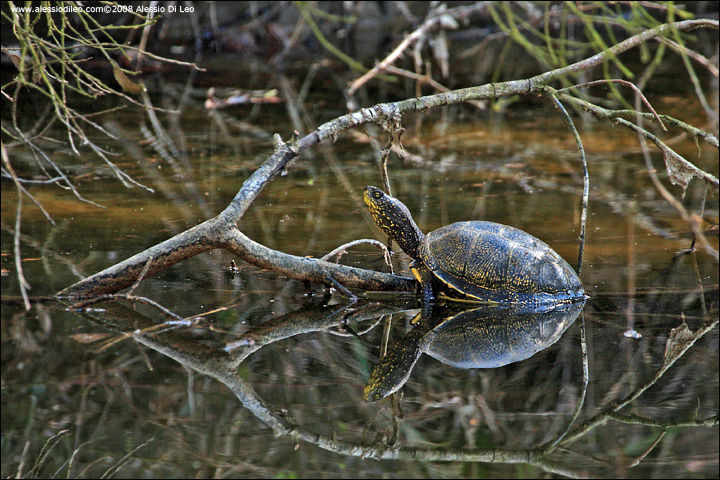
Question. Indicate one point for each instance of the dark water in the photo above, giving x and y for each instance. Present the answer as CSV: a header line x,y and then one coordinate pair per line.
x,y
82,396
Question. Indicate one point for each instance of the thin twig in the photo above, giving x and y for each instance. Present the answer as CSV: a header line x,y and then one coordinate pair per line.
x,y
141,276
22,283
623,82
705,62
586,182
430,23
85,301
339,251
552,445
639,459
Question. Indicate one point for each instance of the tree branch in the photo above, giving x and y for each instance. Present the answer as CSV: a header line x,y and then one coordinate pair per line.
x,y
221,231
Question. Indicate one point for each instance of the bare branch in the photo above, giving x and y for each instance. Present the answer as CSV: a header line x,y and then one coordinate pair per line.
x,y
221,231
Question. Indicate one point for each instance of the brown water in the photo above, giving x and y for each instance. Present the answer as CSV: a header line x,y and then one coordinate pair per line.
x,y
97,399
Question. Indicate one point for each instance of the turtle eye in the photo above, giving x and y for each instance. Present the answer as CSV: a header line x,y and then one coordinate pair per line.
x,y
377,194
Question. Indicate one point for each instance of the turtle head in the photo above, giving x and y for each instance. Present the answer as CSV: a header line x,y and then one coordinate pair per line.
x,y
394,368
394,218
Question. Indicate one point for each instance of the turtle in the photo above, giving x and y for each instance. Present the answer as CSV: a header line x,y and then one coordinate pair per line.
x,y
488,336
477,260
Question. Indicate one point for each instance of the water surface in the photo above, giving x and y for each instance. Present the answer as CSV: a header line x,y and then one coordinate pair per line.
x,y
98,400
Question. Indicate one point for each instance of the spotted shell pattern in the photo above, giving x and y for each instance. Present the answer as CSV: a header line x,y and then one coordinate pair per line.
x,y
497,263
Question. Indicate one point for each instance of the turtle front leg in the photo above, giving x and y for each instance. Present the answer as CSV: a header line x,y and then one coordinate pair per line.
x,y
426,279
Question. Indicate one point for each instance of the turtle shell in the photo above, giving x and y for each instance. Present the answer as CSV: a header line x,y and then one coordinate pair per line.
x,y
490,262
494,336
486,337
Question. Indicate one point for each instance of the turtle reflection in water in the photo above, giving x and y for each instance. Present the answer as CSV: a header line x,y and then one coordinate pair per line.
x,y
485,337
479,261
